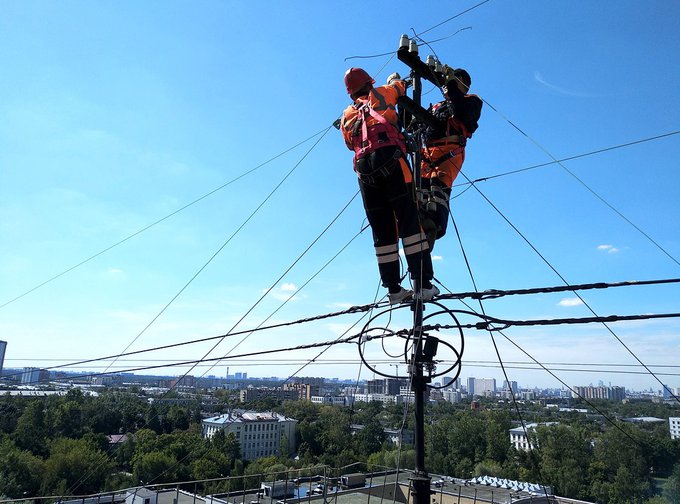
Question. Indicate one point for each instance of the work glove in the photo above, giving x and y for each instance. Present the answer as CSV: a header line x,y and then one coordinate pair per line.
x,y
393,77
448,72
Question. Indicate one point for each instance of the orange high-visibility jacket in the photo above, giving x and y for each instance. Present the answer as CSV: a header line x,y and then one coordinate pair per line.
x,y
382,100
444,152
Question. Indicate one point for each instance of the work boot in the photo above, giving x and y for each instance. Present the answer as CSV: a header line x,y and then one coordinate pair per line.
x,y
400,296
427,293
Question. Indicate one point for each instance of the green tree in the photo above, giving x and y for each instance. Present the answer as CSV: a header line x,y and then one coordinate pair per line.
x,y
75,464
227,445
335,433
496,436
672,488
155,466
66,419
309,436
466,440
9,413
487,468
211,464
31,432
176,418
625,488
564,454
20,471
624,446
369,439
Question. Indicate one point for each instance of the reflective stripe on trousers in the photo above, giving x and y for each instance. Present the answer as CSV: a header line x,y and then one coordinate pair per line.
x,y
415,243
387,253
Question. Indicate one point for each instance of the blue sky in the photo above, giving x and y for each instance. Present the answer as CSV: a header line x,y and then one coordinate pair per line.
x,y
117,114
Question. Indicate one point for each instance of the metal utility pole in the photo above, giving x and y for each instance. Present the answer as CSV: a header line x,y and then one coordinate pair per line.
x,y
420,479
424,346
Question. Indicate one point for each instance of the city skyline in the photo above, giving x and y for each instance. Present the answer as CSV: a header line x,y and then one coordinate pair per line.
x,y
463,382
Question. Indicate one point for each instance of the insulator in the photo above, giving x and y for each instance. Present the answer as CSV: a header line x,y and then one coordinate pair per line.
x,y
430,61
413,47
403,42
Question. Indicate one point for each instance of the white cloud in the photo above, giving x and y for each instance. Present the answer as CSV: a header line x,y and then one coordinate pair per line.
x,y
611,249
285,292
570,302
437,258
115,271
538,76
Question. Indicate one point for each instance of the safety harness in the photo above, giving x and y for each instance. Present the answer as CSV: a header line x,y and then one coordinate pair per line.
x,y
437,162
451,124
376,136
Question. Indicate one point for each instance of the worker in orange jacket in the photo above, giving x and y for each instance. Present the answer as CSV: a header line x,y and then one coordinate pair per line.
x,y
370,128
443,153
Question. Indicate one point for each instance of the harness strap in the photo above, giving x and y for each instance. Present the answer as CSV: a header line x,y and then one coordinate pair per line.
x,y
445,157
370,137
376,175
456,139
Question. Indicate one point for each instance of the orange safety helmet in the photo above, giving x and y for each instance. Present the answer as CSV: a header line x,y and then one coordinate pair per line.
x,y
356,78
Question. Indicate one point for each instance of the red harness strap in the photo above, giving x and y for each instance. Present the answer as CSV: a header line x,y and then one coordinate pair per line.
x,y
382,134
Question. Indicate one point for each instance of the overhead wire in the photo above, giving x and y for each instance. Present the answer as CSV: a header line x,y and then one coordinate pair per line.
x,y
319,354
583,183
488,294
569,158
559,275
262,203
149,226
541,366
286,362
469,184
453,17
282,275
495,345
391,53
524,365
194,364
231,237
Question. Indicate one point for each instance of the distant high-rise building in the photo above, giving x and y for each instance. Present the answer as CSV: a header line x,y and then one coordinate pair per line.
x,y
245,376
386,386
452,396
30,376
481,387
511,385
238,376
471,386
590,392
3,346
485,387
